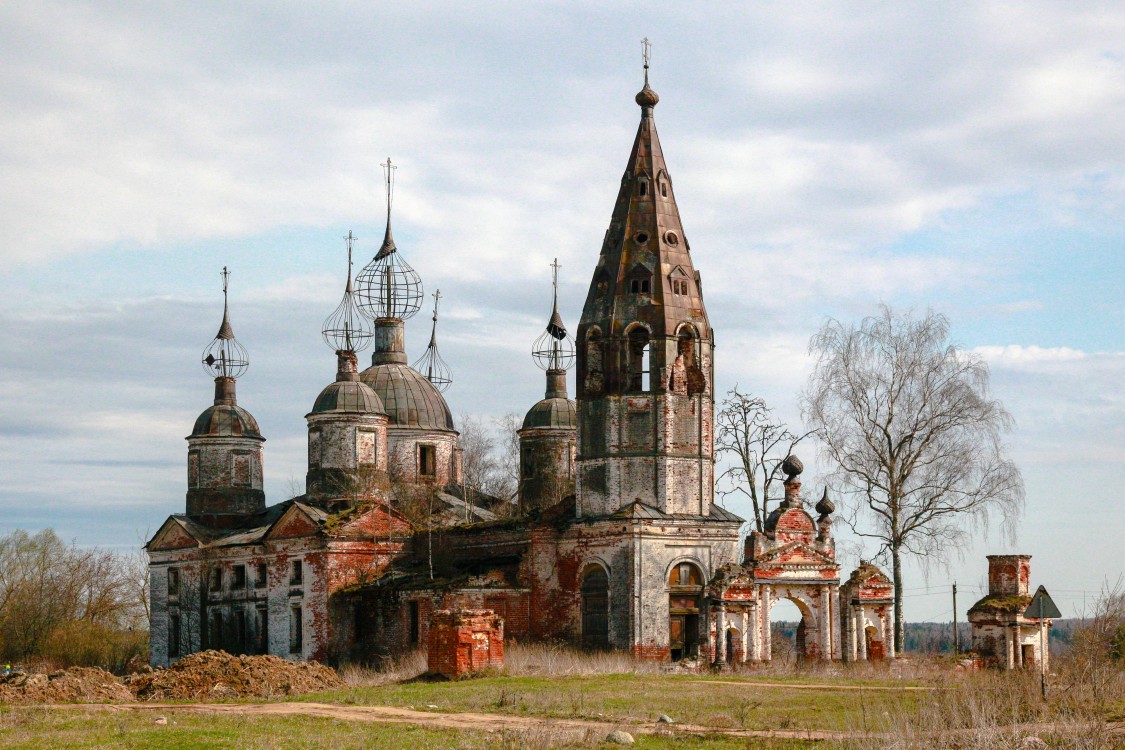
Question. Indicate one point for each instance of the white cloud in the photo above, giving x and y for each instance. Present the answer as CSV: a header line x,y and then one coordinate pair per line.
x,y
1016,356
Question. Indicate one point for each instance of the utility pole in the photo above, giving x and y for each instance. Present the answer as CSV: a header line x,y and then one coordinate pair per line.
x,y
956,640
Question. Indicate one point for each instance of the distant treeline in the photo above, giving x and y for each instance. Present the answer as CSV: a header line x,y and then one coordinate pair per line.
x,y
937,637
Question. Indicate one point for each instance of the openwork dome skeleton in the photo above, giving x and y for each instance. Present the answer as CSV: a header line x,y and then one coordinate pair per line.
x,y
224,357
431,363
347,328
387,286
554,349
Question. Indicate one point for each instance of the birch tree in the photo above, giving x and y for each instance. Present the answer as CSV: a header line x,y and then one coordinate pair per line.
x,y
915,436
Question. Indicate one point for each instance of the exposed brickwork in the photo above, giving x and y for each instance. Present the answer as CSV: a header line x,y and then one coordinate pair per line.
x,y
463,641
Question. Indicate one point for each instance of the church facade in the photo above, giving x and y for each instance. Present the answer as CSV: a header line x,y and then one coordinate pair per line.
x,y
616,541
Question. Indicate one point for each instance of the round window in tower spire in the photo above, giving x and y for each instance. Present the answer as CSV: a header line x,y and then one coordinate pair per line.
x,y
672,238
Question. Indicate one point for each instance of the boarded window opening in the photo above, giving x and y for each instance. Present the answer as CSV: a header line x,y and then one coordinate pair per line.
x,y
239,581
173,582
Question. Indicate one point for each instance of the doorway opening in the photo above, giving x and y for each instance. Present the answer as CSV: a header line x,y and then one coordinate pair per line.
x,y
685,592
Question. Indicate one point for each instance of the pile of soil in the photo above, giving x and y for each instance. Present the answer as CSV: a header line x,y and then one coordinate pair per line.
x,y
74,685
208,675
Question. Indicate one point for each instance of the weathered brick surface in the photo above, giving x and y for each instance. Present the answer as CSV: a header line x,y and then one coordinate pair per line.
x,y
463,641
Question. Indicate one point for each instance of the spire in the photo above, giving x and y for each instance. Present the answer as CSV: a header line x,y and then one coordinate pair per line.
x,y
347,329
388,287
431,363
225,358
645,272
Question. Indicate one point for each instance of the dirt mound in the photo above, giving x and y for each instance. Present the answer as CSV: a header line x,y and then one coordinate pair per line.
x,y
74,685
216,674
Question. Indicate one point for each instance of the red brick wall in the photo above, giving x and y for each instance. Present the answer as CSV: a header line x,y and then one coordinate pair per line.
x,y
465,641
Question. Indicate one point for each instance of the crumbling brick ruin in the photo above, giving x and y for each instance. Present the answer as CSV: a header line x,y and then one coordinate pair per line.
x,y
617,543
1002,636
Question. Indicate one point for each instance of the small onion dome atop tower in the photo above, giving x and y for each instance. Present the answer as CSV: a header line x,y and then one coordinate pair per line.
x,y
553,351
388,286
225,359
431,363
646,97
548,438
348,393
225,445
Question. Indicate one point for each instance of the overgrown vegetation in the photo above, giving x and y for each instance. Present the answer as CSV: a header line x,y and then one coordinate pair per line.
x,y
63,605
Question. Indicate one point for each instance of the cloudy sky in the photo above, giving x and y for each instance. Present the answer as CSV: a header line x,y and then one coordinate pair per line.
x,y
968,158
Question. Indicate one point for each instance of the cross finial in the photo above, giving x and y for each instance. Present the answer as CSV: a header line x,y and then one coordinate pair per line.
x,y
555,265
389,179
646,51
226,275
437,299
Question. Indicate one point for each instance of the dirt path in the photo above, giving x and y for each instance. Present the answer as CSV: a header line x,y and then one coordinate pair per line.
x,y
492,722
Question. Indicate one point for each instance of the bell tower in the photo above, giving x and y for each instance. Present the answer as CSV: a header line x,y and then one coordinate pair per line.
x,y
644,346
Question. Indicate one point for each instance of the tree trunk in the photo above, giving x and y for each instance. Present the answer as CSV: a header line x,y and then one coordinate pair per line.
x,y
900,626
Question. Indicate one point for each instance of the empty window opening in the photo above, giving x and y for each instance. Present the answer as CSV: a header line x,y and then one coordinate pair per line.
x,y
216,629
296,573
261,630
640,238
173,636
240,631
296,630
173,582
415,622
638,359
216,579
595,608
642,188
262,577
664,189
239,580
427,463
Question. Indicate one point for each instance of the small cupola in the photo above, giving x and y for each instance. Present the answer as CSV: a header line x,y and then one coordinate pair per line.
x,y
225,444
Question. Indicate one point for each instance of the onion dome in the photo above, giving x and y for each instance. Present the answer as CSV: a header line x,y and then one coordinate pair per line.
x,y
224,357
347,329
409,399
431,363
388,286
646,97
348,393
792,467
226,419
554,352
825,506
553,413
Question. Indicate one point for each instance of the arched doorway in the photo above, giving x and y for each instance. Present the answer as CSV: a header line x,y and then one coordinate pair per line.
x,y
595,607
791,623
685,592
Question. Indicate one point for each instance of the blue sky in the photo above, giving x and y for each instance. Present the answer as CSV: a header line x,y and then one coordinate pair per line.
x,y
827,158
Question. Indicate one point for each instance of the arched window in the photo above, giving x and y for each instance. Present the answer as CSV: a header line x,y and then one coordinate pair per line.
x,y
685,574
639,353
595,375
595,607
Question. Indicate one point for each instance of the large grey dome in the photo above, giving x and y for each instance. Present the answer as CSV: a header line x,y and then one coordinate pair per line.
x,y
408,398
348,395
557,413
226,420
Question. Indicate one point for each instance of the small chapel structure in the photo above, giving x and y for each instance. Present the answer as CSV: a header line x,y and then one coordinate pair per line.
x,y
616,540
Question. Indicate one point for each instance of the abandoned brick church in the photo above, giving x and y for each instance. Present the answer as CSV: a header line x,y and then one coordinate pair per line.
x,y
617,542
